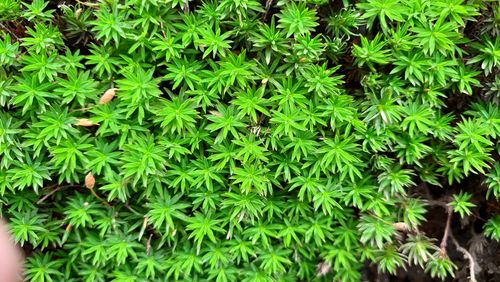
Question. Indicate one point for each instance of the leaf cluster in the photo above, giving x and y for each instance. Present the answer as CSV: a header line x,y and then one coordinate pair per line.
x,y
242,140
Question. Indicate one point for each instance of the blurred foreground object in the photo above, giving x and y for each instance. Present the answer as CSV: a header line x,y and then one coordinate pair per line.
x,y
11,258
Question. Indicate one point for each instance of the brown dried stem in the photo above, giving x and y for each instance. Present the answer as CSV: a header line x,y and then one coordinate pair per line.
x,y
444,241
468,255
148,244
9,31
58,188
98,197
92,5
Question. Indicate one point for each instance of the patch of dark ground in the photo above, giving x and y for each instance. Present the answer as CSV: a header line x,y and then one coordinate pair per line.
x,y
467,231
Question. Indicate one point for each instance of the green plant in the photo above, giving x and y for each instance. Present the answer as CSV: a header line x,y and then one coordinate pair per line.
x,y
343,23
297,19
489,54
371,52
380,9
246,141
440,266
461,204
492,228
493,182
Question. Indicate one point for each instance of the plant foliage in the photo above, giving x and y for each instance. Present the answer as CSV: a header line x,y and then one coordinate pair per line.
x,y
243,140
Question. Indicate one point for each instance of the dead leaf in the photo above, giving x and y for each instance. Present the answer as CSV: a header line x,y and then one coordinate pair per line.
x,y
85,122
400,226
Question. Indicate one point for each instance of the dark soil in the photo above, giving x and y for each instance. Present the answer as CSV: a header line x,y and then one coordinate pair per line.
x,y
467,232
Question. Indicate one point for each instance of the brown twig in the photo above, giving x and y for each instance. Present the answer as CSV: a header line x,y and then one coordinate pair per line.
x,y
144,226
449,212
269,3
444,241
58,188
81,109
472,262
448,233
148,244
93,5
98,197
437,203
162,30
10,32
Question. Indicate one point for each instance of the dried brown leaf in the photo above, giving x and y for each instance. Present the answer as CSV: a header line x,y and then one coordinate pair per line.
x,y
400,226
85,122
215,113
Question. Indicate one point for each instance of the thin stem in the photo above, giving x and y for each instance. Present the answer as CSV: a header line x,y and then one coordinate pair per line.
x,y
269,3
148,244
10,32
93,5
98,197
472,262
81,109
162,30
58,188
437,203
444,241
